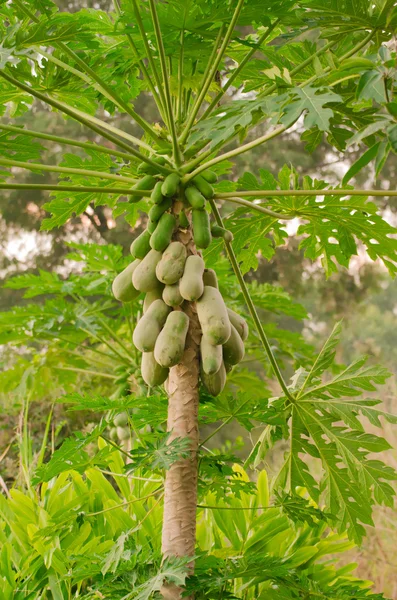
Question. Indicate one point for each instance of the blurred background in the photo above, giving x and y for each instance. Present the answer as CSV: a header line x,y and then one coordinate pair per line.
x,y
364,295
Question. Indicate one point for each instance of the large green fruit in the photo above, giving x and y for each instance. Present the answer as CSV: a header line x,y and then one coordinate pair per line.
x,y
211,356
210,278
121,419
149,327
122,287
233,349
123,433
239,323
146,183
194,197
170,268
209,176
215,383
141,245
162,235
213,317
221,232
156,196
201,228
158,210
172,295
150,297
170,344
170,185
144,167
144,276
191,285
204,187
153,374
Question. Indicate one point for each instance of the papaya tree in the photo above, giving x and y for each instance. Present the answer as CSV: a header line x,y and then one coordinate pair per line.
x,y
218,73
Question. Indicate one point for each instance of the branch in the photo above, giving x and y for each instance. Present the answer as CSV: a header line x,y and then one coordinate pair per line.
x,y
67,170
213,70
74,188
251,306
277,193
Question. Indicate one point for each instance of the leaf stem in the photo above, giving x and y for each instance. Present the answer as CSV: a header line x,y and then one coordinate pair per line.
x,y
100,512
251,306
66,170
256,207
88,372
222,425
336,192
73,188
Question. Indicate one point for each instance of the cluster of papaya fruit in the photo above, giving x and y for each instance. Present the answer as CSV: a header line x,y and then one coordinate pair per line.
x,y
171,276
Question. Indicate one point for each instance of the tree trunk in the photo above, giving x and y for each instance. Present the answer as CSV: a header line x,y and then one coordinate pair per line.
x,y
180,497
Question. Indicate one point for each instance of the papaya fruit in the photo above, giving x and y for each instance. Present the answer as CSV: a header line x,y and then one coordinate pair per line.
x,y
201,228
215,383
171,266
152,373
162,235
210,278
213,316
144,276
170,185
146,183
151,225
123,433
144,167
204,187
121,420
233,349
239,323
194,197
221,232
183,220
172,295
191,285
150,297
209,176
158,210
211,356
149,326
122,287
141,246
113,434
156,196
170,344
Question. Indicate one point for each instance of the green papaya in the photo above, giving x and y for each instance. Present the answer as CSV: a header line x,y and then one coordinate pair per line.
x,y
141,246
239,323
145,167
201,228
210,278
233,349
122,287
183,220
194,197
213,316
170,185
149,326
146,183
209,176
211,356
221,232
191,285
151,226
113,434
170,268
123,433
144,276
121,419
162,235
172,295
204,187
170,344
215,383
151,296
156,196
152,373
158,210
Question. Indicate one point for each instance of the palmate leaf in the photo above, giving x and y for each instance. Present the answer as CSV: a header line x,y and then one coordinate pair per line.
x,y
311,101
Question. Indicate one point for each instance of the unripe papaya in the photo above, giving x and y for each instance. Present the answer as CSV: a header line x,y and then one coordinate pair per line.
x,y
146,183
191,285
210,278
172,295
221,232
141,246
156,196
239,323
201,228
170,185
211,356
194,197
121,420
162,235
213,317
233,349
123,433
152,373
151,226
122,287
170,268
214,384
158,210
144,276
149,326
144,167
183,220
204,187
150,297
170,344
113,434
209,176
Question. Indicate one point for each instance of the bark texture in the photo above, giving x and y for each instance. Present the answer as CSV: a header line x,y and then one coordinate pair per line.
x,y
180,496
